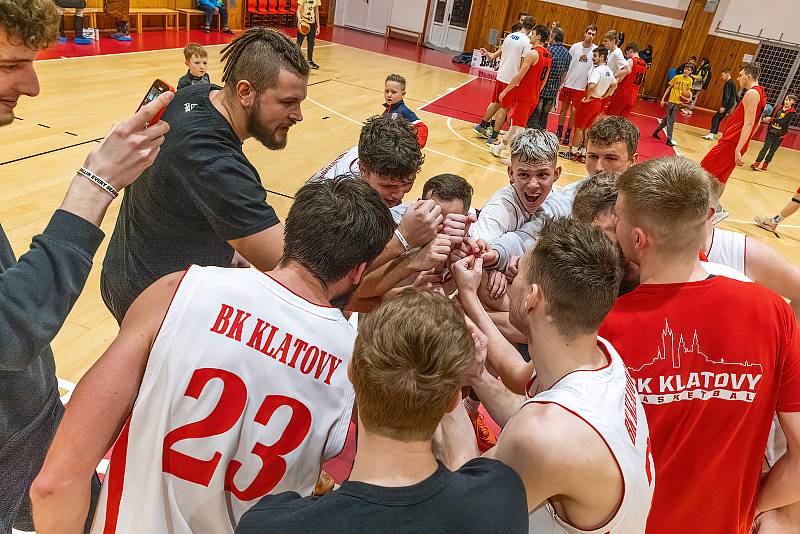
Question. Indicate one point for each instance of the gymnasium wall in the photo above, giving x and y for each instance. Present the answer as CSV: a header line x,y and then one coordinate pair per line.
x,y
671,45
774,19
235,12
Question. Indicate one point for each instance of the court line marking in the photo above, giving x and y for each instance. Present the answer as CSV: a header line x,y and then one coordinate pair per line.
x,y
326,108
740,221
145,51
450,90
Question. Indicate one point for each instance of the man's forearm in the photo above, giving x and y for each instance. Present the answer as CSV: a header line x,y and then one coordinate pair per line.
x,y
86,200
393,249
747,129
63,509
781,486
501,354
498,400
378,282
454,441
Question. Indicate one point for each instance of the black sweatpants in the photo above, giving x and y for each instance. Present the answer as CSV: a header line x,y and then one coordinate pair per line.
x,y
311,36
771,144
538,118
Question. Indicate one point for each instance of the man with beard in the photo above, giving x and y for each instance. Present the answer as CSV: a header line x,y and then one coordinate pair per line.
x,y
202,199
224,385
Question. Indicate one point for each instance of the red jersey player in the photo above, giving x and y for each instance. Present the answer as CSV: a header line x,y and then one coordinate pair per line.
x,y
527,84
740,127
627,92
710,382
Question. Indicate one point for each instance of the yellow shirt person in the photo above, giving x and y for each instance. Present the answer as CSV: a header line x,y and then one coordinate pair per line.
x,y
679,84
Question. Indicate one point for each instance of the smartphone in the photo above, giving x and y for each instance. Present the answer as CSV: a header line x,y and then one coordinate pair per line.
x,y
158,87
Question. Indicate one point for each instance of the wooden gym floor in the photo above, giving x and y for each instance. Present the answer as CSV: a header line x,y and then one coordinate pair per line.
x,y
80,99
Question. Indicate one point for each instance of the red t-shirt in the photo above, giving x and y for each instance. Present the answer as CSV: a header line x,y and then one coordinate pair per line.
x,y
531,84
735,123
713,361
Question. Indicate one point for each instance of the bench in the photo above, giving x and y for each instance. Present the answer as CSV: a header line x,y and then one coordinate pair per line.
x,y
418,36
139,12
271,8
90,16
199,12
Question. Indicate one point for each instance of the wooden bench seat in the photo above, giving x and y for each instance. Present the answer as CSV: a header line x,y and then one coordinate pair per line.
x,y
139,12
198,12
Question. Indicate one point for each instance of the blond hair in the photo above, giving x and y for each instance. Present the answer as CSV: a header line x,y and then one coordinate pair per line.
x,y
670,198
194,49
411,356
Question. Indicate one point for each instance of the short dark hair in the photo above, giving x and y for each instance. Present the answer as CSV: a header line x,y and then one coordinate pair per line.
x,y
528,23
753,70
612,129
725,70
334,226
596,195
578,271
30,23
523,14
390,148
449,187
601,51
397,79
258,55
516,27
791,96
542,32
633,46
558,35
194,49
591,27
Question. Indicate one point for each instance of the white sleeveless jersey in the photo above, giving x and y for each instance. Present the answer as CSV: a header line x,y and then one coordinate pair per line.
x,y
607,400
245,394
344,164
728,248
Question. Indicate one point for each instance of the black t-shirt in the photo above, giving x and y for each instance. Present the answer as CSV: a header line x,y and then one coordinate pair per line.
x,y
200,193
483,496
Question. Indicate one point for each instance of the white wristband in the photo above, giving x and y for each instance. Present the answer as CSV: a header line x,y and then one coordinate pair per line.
x,y
402,239
102,184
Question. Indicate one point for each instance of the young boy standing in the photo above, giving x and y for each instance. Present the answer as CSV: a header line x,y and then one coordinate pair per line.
x,y
601,84
197,61
778,128
393,92
308,12
679,84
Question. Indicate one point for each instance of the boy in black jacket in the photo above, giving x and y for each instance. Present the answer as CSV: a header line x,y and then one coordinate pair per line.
x,y
729,102
778,127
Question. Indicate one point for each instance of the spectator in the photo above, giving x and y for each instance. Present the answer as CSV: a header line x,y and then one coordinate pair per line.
x,y
77,21
729,101
647,55
778,128
182,212
702,78
196,58
211,8
37,294
394,91
120,11
558,70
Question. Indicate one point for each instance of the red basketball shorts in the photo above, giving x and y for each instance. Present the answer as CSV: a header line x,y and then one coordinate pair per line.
x,y
720,161
620,105
570,96
587,112
508,100
522,111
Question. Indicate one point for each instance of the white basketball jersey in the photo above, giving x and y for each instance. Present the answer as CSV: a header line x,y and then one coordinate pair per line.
x,y
728,248
607,400
345,163
245,394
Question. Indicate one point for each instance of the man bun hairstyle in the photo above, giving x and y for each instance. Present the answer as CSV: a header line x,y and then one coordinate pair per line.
x,y
258,55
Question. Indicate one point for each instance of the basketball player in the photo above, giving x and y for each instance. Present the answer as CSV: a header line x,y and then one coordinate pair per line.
x,y
600,85
611,145
771,223
710,385
513,49
677,86
249,367
37,294
628,88
527,85
405,379
729,151
580,439
181,213
576,80
616,59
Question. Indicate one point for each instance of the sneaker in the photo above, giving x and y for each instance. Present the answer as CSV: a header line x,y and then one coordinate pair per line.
x,y
83,41
766,223
764,166
709,136
125,38
655,134
229,32
485,437
206,29
560,132
670,143
480,130
496,149
62,39
567,154
580,158
720,215
490,132
115,36
313,65
565,141
754,166
324,484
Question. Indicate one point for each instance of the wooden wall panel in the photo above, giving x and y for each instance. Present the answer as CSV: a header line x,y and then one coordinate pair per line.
x,y
485,14
722,53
